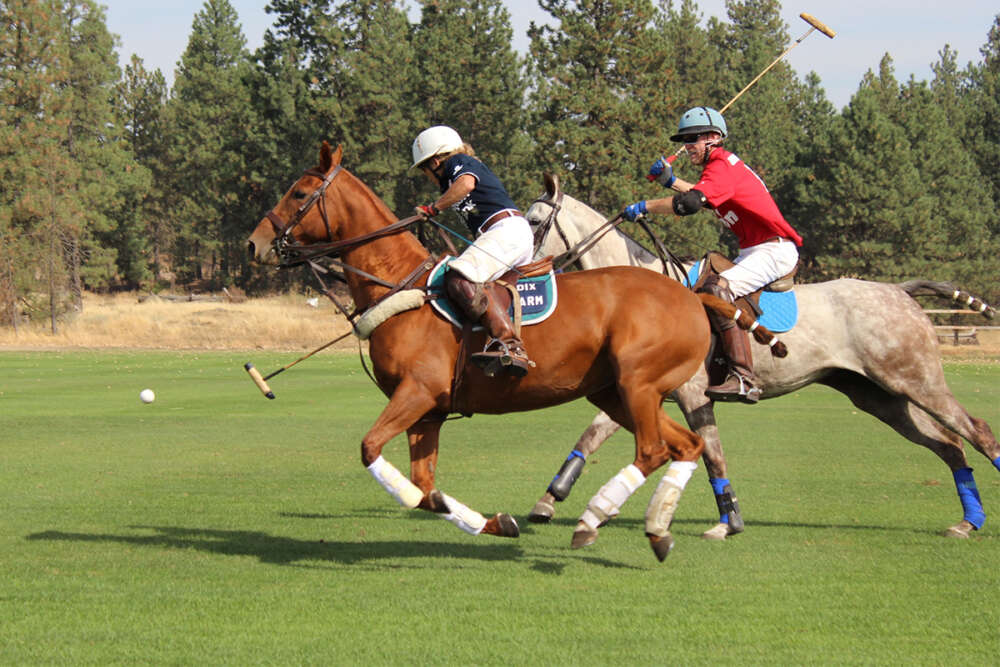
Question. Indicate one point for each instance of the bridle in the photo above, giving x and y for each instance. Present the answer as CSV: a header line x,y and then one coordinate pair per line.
x,y
573,253
292,253
282,246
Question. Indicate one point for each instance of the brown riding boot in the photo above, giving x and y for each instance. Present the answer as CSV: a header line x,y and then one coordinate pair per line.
x,y
504,352
481,305
741,384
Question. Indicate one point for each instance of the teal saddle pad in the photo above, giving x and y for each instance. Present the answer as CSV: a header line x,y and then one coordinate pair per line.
x,y
538,296
781,309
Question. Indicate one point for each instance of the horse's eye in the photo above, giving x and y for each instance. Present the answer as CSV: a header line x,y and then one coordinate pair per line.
x,y
298,194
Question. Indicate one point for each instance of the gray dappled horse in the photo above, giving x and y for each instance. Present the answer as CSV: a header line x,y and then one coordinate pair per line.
x,y
869,340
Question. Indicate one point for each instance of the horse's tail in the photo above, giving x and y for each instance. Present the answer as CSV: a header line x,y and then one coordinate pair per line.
x,y
761,333
948,291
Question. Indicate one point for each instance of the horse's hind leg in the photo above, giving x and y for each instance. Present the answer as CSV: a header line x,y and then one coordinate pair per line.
x,y
600,429
699,413
917,425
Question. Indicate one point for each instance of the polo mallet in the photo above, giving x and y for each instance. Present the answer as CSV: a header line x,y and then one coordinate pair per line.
x,y
261,380
814,23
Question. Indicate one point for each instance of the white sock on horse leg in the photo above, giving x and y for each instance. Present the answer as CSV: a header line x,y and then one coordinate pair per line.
x,y
467,519
403,490
608,500
663,504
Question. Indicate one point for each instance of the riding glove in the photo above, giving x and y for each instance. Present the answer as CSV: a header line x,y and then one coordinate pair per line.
x,y
634,211
428,211
662,172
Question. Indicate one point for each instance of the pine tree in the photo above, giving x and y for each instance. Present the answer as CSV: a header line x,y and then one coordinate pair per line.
x,y
590,117
210,117
982,135
141,98
33,120
380,98
688,77
868,178
101,230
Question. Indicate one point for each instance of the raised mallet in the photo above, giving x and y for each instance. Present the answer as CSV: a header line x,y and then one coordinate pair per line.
x,y
814,24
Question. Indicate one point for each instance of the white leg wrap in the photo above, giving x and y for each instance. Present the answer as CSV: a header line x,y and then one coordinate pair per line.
x,y
663,504
467,519
403,490
609,499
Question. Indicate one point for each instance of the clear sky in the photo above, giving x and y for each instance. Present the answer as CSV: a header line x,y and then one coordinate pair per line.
x,y
911,31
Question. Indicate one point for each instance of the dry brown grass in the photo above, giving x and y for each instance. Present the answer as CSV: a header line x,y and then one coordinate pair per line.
x,y
285,322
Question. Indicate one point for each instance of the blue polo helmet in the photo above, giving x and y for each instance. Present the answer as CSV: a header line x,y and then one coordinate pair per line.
x,y
698,120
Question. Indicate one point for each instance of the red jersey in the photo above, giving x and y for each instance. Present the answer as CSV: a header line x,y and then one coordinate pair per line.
x,y
741,201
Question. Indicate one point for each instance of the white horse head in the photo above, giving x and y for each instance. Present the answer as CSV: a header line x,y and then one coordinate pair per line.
x,y
562,223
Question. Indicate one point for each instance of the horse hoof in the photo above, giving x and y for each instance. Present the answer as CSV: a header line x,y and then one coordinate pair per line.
x,y
583,536
542,512
717,532
661,545
505,526
960,530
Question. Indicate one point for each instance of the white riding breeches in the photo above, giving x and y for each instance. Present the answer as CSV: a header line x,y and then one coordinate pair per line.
x,y
761,264
506,244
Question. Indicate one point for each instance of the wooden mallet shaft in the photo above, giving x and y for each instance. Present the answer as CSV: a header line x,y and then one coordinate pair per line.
x,y
815,24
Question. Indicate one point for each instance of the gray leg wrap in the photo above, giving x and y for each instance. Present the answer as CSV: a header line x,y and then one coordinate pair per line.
x,y
570,471
729,508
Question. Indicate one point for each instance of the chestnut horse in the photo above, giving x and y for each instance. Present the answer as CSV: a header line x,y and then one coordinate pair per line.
x,y
869,340
623,337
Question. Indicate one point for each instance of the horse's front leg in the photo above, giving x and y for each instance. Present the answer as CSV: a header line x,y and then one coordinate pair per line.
x,y
408,404
424,437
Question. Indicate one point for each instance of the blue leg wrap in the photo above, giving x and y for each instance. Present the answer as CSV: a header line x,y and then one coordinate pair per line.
x,y
969,495
719,485
996,462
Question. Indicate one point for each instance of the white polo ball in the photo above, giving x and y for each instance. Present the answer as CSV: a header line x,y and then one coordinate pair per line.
x,y
147,396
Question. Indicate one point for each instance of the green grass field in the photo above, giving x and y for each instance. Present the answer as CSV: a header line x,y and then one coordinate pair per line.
x,y
216,527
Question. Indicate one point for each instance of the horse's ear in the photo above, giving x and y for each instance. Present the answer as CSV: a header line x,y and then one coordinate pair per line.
x,y
551,183
329,158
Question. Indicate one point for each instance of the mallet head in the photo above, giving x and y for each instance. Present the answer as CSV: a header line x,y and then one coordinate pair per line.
x,y
816,23
258,380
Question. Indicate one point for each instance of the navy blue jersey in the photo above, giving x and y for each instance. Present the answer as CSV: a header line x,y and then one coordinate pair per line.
x,y
488,197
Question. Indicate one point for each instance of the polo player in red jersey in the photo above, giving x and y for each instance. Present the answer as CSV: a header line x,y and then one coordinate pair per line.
x,y
741,201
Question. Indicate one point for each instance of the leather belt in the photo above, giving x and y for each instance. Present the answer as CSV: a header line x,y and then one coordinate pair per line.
x,y
776,238
497,217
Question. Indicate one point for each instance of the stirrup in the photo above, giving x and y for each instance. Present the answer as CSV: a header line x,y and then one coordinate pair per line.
x,y
746,392
508,357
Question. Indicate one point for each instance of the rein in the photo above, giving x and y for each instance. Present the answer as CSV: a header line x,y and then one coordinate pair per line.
x,y
575,252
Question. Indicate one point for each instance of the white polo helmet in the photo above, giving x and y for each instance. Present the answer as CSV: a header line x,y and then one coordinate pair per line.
x,y
435,141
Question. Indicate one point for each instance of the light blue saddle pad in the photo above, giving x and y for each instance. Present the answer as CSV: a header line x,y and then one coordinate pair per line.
x,y
781,309
538,296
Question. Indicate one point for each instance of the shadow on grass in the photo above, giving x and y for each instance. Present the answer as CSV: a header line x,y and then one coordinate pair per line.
x,y
696,526
277,550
